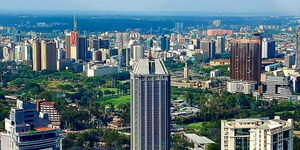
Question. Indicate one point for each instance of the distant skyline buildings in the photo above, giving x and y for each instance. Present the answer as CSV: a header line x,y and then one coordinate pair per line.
x,y
298,50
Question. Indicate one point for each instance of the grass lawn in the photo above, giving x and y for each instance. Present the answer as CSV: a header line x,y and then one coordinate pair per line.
x,y
196,126
115,100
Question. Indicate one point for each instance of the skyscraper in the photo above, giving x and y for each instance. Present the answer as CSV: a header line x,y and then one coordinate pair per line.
x,y
48,56
36,55
220,47
150,106
68,45
268,48
74,51
165,43
245,60
82,47
298,51
138,53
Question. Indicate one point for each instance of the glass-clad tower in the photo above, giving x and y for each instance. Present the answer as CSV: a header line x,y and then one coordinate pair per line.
x,y
150,106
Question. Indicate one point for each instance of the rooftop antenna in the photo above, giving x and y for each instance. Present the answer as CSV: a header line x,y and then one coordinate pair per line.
x,y
74,23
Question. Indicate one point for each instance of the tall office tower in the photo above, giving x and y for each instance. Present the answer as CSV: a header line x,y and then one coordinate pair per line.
x,y
36,55
27,53
257,134
165,43
138,53
208,46
82,47
150,106
268,49
212,49
5,53
289,60
26,129
245,60
104,44
196,43
74,51
18,52
68,45
122,40
220,47
48,56
298,51
93,43
1,52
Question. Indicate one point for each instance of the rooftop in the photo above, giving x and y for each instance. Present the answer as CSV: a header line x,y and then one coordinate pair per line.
x,y
198,139
146,66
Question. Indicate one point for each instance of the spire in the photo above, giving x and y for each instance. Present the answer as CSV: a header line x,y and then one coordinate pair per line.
x,y
74,23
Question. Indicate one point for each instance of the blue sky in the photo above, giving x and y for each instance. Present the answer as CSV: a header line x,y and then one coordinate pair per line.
x,y
279,7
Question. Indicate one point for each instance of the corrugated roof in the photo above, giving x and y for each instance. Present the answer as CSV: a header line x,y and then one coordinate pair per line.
x,y
198,139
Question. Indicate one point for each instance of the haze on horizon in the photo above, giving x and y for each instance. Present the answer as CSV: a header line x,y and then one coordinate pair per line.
x,y
176,7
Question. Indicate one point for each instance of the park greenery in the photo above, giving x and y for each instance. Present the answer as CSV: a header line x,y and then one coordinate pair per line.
x,y
88,104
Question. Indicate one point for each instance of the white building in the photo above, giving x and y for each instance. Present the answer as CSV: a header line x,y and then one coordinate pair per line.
x,y
241,87
257,134
101,69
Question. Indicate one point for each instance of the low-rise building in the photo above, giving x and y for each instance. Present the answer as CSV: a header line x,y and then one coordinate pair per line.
x,y
241,87
97,69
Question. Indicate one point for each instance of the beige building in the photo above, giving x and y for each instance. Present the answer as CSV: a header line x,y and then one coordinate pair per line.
x,y
48,56
257,134
36,55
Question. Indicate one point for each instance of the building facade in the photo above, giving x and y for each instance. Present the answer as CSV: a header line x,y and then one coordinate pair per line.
x,y
245,60
298,51
150,106
48,56
26,129
257,134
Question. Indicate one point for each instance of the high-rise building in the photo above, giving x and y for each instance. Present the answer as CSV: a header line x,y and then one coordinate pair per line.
x,y
165,43
245,60
257,134
208,46
268,48
103,43
289,60
220,47
68,45
27,129
298,51
48,56
150,106
196,43
74,50
82,47
36,55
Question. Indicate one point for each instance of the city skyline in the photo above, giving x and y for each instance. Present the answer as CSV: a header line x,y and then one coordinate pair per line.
x,y
155,7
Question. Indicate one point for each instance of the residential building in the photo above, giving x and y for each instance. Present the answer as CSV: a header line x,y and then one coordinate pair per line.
x,y
220,46
165,43
257,134
150,106
53,114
